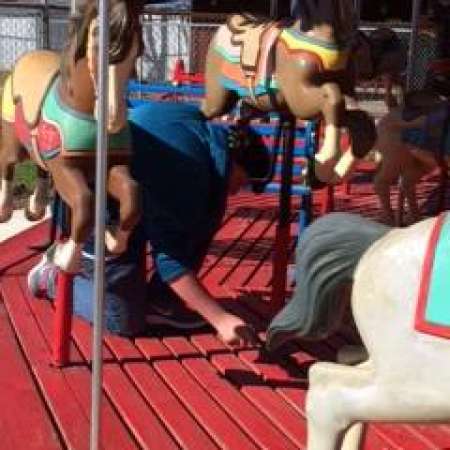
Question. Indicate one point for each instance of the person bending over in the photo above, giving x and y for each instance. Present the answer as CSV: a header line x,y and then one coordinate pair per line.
x,y
186,167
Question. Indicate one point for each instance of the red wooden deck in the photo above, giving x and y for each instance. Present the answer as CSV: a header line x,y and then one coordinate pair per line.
x,y
171,390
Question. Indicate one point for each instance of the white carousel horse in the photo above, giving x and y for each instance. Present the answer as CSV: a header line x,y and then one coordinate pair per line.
x,y
403,320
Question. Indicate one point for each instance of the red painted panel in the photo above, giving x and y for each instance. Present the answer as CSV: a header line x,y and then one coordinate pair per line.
x,y
114,434
23,417
226,240
146,427
66,411
123,349
243,412
180,347
153,349
286,419
169,409
206,411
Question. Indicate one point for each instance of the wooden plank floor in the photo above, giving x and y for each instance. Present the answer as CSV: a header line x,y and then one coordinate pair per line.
x,y
174,390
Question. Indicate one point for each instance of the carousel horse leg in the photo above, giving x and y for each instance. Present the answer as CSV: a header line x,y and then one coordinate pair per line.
x,y
9,157
327,405
340,397
35,209
70,183
385,176
411,175
218,100
308,101
123,188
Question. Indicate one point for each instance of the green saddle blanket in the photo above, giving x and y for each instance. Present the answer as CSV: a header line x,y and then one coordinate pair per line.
x,y
78,131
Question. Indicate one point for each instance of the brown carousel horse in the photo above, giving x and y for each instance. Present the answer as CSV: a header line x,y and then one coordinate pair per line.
x,y
49,109
300,66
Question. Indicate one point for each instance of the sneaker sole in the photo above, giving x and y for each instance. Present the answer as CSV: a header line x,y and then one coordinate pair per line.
x,y
44,260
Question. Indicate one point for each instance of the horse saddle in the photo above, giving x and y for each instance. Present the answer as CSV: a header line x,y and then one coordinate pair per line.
x,y
247,32
433,312
32,77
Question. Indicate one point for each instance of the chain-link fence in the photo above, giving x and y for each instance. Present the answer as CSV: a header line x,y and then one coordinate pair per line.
x,y
167,38
29,28
20,32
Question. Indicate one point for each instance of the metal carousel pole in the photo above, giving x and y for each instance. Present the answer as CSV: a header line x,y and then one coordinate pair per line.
x,y
413,42
412,50
100,208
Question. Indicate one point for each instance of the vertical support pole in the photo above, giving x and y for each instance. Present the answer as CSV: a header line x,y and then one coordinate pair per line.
x,y
412,48
282,238
45,25
63,319
100,210
357,8
273,9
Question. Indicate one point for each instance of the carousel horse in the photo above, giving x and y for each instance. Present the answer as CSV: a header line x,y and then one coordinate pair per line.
x,y
401,314
299,66
381,56
413,140
49,108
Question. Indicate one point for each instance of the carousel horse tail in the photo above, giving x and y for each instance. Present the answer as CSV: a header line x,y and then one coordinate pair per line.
x,y
327,254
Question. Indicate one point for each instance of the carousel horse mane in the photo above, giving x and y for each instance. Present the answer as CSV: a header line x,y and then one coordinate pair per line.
x,y
383,50
314,13
124,27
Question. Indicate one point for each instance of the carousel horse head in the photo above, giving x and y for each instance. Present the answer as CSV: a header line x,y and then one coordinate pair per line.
x,y
49,108
125,44
297,66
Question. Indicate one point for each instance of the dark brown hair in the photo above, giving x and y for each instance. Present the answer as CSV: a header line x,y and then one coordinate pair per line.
x,y
337,13
124,25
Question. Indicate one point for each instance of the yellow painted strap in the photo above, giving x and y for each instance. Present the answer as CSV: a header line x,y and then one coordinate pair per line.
x,y
8,108
332,58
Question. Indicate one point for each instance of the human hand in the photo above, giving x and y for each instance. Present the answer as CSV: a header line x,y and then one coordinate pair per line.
x,y
234,331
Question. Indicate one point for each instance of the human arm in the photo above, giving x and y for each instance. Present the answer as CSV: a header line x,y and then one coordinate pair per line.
x,y
231,329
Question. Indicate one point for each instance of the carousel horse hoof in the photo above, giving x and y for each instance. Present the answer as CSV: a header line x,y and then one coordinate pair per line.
x,y
116,241
34,216
351,355
67,256
324,170
6,214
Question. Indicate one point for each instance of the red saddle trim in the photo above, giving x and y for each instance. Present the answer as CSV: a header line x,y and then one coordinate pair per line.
x,y
47,135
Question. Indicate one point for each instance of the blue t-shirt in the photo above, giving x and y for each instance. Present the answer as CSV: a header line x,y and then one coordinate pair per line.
x,y
182,165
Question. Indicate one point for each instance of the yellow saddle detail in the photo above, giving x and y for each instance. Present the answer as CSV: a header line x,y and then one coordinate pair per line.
x,y
7,101
32,76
